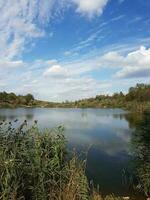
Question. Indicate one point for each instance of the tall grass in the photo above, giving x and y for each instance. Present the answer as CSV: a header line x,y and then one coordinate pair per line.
x,y
140,149
34,166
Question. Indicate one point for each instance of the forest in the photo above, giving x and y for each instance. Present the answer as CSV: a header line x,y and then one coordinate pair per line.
x,y
137,98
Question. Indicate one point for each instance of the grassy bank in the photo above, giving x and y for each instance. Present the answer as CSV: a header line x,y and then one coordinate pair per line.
x,y
34,165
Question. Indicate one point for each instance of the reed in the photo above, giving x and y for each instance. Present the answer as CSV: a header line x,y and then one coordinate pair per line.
x,y
34,165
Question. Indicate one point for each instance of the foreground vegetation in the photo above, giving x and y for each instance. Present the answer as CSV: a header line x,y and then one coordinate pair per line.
x,y
34,165
140,149
137,99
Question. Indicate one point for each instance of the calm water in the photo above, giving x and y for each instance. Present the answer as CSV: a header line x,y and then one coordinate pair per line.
x,y
102,135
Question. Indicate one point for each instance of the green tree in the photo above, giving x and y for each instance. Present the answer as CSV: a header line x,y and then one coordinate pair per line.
x,y
29,98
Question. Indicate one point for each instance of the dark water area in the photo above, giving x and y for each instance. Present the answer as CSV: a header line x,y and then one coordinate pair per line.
x,y
102,136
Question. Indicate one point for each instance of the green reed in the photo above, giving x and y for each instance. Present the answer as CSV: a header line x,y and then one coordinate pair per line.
x,y
34,166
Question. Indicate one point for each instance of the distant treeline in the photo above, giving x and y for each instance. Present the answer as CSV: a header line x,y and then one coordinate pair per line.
x,y
13,99
140,93
137,98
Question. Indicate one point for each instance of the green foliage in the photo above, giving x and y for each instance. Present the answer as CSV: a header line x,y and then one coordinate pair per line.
x,y
29,98
137,99
11,99
141,93
32,164
140,144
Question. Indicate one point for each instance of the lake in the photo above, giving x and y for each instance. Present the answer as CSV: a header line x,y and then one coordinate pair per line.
x,y
102,136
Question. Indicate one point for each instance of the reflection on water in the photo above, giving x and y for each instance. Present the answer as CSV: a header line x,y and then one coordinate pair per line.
x,y
12,114
104,134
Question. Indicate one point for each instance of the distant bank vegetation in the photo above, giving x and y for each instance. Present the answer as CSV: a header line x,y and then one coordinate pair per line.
x,y
11,99
137,98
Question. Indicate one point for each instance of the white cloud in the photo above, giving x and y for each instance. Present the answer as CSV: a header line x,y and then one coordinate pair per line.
x,y
90,7
55,71
136,64
5,64
50,80
121,1
2,84
71,88
22,21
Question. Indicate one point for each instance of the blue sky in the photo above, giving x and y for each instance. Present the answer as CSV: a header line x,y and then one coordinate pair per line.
x,y
71,49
